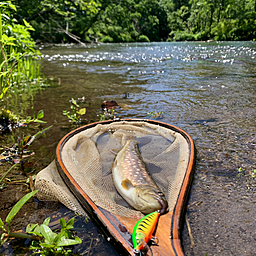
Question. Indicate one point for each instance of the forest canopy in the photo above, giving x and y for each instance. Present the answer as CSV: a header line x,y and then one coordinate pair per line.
x,y
63,21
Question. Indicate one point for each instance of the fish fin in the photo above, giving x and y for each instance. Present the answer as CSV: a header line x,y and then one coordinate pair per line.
x,y
144,140
127,184
114,151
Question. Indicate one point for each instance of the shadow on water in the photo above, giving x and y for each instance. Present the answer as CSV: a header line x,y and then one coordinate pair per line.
x,y
206,89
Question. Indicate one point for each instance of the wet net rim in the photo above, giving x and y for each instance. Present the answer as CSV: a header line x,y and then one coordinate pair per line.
x,y
99,217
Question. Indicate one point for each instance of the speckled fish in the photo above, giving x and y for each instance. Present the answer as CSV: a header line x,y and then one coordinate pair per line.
x,y
143,232
133,181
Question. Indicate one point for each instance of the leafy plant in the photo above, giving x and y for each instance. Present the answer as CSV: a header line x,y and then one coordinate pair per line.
x,y
36,118
3,177
8,115
253,173
44,240
155,114
50,242
25,142
240,171
5,227
17,51
9,120
107,114
76,112
16,153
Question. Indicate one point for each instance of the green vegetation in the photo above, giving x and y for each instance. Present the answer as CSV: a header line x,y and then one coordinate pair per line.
x,y
243,172
138,20
17,51
6,227
108,114
155,114
44,240
240,172
253,173
19,68
17,154
51,243
3,177
76,112
19,73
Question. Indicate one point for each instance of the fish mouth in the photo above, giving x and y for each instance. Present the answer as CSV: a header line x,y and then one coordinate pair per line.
x,y
162,203
158,196
162,210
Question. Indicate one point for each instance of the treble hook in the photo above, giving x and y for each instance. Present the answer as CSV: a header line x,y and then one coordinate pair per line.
x,y
144,252
154,240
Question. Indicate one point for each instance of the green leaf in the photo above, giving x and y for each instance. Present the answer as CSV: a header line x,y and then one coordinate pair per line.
x,y
74,103
47,245
28,119
2,236
63,223
47,233
71,222
33,112
30,28
18,205
66,233
3,177
36,231
68,242
31,227
34,245
47,221
41,132
81,111
26,23
40,114
13,7
1,224
69,227
5,89
59,237
40,121
2,240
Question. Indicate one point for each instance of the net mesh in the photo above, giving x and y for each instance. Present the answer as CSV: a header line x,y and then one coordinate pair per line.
x,y
89,154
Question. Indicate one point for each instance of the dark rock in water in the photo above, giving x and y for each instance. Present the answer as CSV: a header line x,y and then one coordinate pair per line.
x,y
5,125
205,121
109,105
126,95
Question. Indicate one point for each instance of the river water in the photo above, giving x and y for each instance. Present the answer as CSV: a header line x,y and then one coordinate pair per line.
x,y
206,89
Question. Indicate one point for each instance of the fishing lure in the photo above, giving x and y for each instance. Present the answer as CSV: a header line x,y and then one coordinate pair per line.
x,y
143,232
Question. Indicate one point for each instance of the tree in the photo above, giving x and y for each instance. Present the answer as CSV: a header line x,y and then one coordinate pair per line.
x,y
54,20
138,20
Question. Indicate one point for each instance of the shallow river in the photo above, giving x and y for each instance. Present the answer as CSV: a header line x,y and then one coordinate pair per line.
x,y
206,89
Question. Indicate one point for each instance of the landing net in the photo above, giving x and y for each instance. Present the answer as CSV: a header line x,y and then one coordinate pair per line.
x,y
88,154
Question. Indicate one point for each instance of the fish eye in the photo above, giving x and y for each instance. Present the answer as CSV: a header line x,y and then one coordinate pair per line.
x,y
160,193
